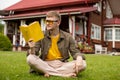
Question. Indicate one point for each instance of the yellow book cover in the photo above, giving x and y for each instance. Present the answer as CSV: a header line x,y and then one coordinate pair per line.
x,y
32,31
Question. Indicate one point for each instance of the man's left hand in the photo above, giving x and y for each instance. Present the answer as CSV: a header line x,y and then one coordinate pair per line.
x,y
78,64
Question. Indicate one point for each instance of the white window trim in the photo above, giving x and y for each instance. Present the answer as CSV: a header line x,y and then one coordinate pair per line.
x,y
94,31
108,11
105,34
98,5
113,34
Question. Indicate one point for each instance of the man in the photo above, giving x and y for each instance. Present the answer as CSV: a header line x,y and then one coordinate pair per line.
x,y
55,49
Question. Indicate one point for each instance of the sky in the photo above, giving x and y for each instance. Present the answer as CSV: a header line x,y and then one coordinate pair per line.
x,y
6,3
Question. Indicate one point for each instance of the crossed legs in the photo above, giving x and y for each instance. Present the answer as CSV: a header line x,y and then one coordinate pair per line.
x,y
56,67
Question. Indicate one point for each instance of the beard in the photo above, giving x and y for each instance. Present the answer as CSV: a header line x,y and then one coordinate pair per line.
x,y
49,28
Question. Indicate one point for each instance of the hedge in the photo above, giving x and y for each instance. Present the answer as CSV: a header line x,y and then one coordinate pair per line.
x,y
5,44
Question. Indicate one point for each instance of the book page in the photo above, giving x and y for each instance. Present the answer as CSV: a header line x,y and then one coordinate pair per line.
x,y
32,31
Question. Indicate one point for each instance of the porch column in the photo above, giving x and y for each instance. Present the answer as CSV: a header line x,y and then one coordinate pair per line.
x,y
16,29
5,28
72,25
43,25
113,37
14,47
21,38
85,27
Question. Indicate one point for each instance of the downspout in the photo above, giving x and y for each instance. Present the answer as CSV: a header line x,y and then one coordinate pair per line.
x,y
102,19
88,26
89,29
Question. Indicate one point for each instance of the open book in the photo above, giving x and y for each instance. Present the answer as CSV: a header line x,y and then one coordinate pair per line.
x,y
32,31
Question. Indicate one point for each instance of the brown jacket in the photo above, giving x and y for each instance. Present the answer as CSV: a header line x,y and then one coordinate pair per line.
x,y
66,45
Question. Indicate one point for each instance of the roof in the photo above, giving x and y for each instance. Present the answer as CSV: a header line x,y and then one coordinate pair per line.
x,y
112,21
115,6
41,14
28,4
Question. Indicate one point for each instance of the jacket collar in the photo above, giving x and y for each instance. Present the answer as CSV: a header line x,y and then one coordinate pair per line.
x,y
61,34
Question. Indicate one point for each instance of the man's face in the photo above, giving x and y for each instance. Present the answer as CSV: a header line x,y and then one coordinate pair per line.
x,y
51,23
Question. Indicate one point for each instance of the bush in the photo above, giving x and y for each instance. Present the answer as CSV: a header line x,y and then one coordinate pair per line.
x,y
5,44
1,28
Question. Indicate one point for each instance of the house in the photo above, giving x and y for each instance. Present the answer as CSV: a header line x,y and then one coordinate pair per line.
x,y
84,17
112,25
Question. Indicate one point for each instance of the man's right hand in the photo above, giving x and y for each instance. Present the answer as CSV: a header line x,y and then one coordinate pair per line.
x,y
31,43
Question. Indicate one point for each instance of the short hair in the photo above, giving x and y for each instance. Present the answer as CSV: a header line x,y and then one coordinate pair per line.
x,y
54,14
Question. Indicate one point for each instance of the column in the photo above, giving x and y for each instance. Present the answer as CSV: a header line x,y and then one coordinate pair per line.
x,y
85,27
21,38
43,25
72,25
5,28
14,47
113,37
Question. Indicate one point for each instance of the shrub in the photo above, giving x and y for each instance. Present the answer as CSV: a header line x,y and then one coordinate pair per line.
x,y
1,28
5,44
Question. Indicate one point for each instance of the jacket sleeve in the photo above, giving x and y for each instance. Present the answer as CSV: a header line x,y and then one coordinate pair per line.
x,y
73,49
36,48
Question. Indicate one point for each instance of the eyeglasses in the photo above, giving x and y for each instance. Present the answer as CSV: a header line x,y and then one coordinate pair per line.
x,y
51,21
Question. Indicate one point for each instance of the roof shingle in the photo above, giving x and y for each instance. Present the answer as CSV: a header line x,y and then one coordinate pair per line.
x,y
27,4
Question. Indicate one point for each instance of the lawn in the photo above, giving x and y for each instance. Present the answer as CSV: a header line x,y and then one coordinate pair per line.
x,y
13,66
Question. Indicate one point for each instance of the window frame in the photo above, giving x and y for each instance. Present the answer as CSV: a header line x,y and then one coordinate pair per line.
x,y
116,35
111,35
97,32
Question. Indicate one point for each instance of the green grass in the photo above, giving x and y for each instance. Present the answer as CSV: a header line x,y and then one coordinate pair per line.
x,y
13,66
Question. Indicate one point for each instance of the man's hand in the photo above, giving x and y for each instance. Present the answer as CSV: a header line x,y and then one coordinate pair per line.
x,y
78,64
31,43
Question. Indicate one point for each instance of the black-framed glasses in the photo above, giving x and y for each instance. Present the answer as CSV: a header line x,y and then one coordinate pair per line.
x,y
51,21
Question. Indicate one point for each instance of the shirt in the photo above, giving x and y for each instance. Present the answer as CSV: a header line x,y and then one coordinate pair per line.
x,y
54,52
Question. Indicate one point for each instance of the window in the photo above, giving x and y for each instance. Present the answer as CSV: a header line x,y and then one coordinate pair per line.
x,y
98,5
117,34
112,34
108,11
96,32
108,34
